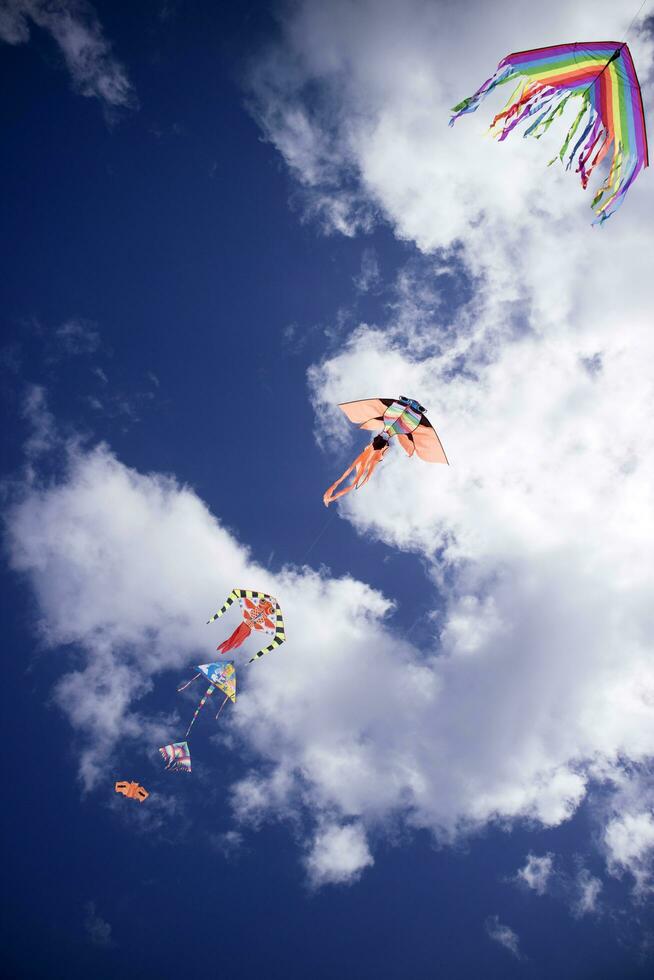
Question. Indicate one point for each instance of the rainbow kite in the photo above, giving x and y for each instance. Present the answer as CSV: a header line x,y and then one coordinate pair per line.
x,y
177,756
611,116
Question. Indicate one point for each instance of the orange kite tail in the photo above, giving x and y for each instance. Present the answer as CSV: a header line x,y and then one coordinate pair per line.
x,y
363,466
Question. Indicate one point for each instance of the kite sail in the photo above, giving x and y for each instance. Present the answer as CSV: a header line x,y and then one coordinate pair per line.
x,y
402,417
611,116
132,791
222,675
177,756
261,612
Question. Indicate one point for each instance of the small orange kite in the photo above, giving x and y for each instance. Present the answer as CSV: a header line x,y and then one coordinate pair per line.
x,y
132,791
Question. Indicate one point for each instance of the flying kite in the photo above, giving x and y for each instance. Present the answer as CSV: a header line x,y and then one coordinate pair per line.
x,y
222,675
261,612
132,791
611,117
402,417
177,756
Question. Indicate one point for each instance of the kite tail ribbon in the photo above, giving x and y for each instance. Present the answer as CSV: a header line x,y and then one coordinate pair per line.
x,y
188,683
239,636
503,74
199,709
222,706
363,466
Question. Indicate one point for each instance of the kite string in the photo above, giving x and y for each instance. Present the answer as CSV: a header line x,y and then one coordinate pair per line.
x,y
622,45
317,537
184,686
633,20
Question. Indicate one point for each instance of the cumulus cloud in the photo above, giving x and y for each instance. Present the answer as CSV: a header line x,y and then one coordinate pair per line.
x,y
629,839
369,275
579,890
537,537
588,889
98,930
43,430
77,336
503,935
90,545
538,683
77,32
536,872
121,562
338,854
356,96
229,843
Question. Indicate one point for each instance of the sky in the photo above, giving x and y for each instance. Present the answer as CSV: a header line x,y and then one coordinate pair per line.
x,y
220,221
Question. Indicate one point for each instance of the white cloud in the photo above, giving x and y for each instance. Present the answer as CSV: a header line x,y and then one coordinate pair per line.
x,y
588,889
629,840
228,843
43,431
580,890
76,30
539,679
338,855
369,276
97,929
78,336
503,935
356,96
126,566
538,536
536,872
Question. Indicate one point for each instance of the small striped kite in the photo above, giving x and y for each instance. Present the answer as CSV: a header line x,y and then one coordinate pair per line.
x,y
177,756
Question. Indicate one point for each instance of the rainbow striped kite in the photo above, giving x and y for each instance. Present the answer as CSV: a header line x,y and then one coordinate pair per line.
x,y
611,116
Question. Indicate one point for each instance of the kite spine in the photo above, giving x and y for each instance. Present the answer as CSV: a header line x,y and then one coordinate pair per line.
x,y
202,703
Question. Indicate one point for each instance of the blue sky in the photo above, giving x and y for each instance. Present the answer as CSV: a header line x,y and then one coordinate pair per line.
x,y
218,224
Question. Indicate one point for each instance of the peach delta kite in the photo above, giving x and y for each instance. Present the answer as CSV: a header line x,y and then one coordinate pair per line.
x,y
610,120
402,417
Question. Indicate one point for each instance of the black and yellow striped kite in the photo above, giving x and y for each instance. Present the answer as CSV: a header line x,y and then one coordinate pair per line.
x,y
260,612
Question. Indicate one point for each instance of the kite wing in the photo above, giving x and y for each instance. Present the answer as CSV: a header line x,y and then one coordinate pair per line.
x,y
407,444
427,444
611,117
367,414
280,630
233,595
177,756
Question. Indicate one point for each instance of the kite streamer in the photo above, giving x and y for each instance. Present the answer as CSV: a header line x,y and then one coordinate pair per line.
x,y
610,119
222,675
